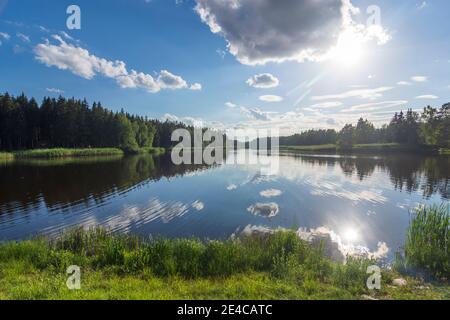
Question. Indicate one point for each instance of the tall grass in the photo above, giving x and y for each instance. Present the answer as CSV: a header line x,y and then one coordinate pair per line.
x,y
427,247
275,266
6,156
62,153
282,256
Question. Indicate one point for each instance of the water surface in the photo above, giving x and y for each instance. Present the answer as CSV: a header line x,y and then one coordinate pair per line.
x,y
363,200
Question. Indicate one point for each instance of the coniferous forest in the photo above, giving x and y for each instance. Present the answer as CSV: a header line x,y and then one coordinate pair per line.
x,y
429,128
72,123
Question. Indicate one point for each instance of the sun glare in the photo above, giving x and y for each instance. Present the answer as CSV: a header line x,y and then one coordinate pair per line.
x,y
351,235
349,50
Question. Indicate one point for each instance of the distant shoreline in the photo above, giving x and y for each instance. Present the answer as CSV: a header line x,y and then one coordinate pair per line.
x,y
383,148
59,153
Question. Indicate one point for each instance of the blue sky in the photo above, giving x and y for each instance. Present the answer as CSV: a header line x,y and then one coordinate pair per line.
x,y
235,63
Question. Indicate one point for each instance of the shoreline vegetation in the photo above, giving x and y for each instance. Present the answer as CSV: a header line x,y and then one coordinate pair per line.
x,y
74,123
382,148
58,153
276,265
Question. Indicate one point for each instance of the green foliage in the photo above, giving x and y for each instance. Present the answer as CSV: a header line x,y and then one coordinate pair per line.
x,y
62,153
311,138
6,156
435,126
188,258
430,128
324,147
346,138
427,247
125,135
70,123
277,266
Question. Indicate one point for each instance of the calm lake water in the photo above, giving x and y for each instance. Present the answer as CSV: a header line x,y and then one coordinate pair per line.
x,y
364,200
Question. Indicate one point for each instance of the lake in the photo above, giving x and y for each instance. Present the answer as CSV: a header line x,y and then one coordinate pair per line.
x,y
361,200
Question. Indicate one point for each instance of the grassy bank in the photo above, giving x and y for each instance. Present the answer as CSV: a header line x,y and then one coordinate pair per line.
x,y
73,153
323,147
4,156
277,266
361,148
65,153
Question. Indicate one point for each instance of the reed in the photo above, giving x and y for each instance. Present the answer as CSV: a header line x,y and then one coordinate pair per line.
x,y
427,247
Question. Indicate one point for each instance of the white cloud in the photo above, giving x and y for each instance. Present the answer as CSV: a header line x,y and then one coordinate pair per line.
x,y
198,205
221,53
5,36
23,37
196,87
271,98
264,31
422,5
419,79
168,80
255,113
270,193
80,62
427,97
404,83
54,90
375,106
358,93
230,105
231,187
190,121
326,105
263,81
43,29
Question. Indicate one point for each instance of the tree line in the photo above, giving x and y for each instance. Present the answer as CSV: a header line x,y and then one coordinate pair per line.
x,y
71,123
428,128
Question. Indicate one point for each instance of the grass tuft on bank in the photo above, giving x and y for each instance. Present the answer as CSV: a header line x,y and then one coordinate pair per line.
x,y
276,266
427,247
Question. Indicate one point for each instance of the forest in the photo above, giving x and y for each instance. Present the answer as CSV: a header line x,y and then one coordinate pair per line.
x,y
428,128
71,123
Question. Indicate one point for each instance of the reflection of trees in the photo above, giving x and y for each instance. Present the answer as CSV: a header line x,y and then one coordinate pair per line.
x,y
24,185
411,173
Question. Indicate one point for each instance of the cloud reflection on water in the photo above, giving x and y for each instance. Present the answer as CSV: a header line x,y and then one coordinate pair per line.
x,y
333,244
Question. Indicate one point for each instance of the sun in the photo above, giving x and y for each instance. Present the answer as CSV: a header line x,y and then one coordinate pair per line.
x,y
351,234
349,50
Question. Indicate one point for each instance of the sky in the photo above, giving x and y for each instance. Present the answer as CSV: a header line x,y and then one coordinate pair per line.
x,y
292,65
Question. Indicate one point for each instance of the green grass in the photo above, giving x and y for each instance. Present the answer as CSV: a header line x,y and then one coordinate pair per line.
x,y
6,156
152,150
73,153
427,247
359,148
324,147
445,152
279,266
65,153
